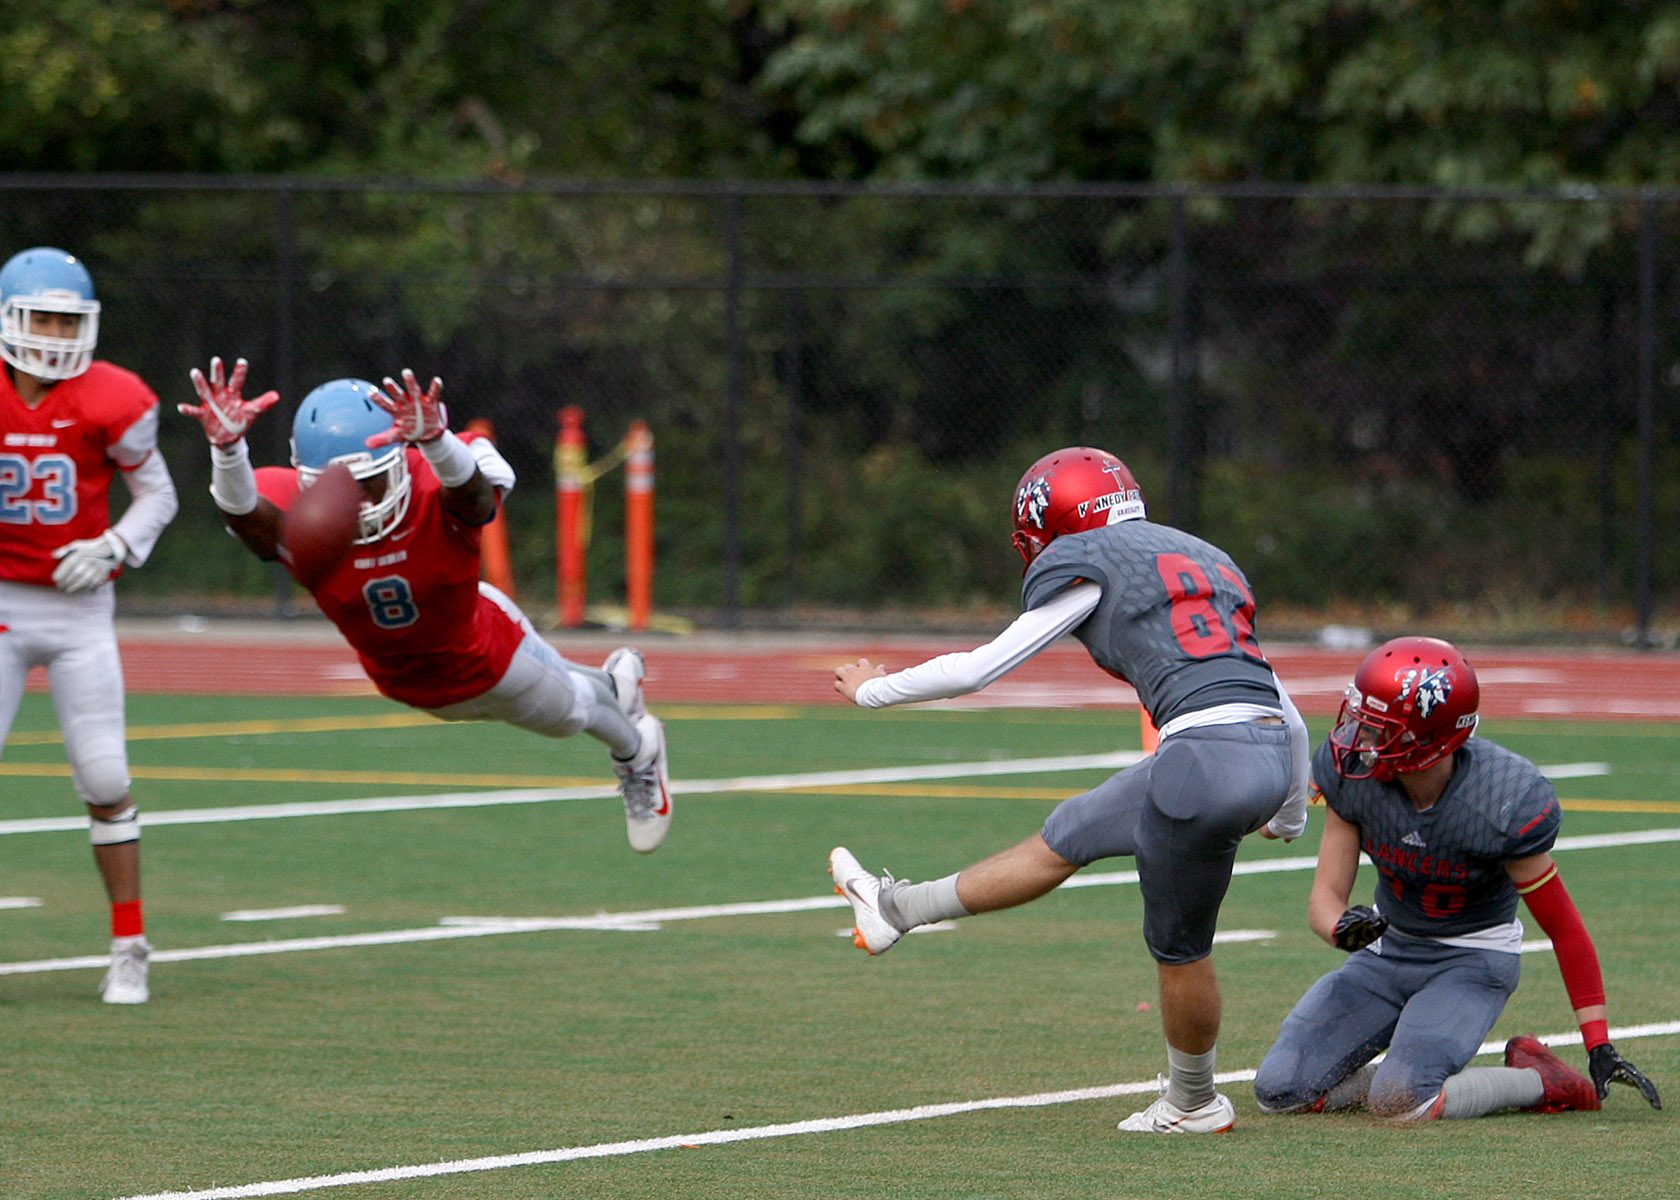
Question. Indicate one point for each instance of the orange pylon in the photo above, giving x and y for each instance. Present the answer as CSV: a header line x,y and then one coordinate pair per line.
x,y
638,523
571,482
497,564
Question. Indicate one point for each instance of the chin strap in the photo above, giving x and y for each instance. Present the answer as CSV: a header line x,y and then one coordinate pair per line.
x,y
1577,957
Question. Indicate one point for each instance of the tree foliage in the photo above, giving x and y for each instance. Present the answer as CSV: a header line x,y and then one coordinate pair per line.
x,y
936,334
423,88
1530,93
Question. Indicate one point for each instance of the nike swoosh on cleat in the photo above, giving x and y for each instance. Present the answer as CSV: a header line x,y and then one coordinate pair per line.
x,y
851,893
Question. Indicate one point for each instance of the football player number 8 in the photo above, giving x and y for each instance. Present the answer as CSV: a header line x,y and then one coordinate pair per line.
x,y
390,602
1198,625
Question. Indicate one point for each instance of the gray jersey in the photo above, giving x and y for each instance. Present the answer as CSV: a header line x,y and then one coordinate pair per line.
x,y
1443,869
1176,619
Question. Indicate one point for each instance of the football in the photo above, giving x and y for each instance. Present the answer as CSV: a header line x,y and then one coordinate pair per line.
x,y
317,531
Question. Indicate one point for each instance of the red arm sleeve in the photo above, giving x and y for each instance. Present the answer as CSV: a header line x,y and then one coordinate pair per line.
x,y
1577,957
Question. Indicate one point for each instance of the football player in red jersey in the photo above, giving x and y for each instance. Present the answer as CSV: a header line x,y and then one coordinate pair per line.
x,y
69,424
408,597
1459,829
1172,615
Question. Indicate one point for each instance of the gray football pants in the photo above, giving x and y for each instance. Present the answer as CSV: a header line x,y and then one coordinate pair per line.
x,y
1429,1005
1182,812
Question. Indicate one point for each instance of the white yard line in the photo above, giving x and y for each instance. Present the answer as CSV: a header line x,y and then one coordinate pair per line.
x,y
1111,761
722,1137
284,914
647,920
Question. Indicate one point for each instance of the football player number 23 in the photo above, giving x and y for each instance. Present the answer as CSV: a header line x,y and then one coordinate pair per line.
x,y
1201,629
390,601
56,474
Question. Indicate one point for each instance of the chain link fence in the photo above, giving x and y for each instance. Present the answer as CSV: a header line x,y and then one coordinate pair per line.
x,y
1391,406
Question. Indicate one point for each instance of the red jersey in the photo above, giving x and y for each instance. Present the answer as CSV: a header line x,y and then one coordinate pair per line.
x,y
57,461
409,603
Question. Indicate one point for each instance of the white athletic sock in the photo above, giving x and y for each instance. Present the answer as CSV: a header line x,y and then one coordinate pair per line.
x,y
1477,1091
907,905
1190,1078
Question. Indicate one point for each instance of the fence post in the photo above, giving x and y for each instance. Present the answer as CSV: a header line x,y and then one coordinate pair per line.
x,y
1646,421
793,366
571,527
1182,489
732,421
285,356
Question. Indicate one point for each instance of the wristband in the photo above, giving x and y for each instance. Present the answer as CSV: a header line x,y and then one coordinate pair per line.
x,y
233,485
452,460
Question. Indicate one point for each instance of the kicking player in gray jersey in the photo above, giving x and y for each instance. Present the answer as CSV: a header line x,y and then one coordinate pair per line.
x,y
1458,830
1173,616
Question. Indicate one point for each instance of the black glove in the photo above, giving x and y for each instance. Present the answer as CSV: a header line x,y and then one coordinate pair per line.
x,y
1608,1067
1358,927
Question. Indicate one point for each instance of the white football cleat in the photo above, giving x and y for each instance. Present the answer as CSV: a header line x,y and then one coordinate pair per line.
x,y
645,784
872,932
1216,1116
125,979
627,669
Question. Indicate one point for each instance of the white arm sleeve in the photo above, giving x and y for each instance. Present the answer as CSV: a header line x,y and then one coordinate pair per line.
x,y
1290,821
153,506
970,670
496,468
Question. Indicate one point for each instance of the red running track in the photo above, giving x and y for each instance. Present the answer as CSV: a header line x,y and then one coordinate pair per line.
x,y
755,669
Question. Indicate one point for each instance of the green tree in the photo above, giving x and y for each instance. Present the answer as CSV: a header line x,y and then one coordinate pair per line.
x,y
419,88
1521,93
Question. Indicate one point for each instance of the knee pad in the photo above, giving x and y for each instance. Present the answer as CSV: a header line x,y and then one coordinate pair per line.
x,y
124,827
101,781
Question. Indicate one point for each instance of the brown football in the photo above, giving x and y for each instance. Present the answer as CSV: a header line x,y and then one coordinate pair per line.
x,y
318,530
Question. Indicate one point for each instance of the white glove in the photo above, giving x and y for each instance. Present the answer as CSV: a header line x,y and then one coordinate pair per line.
x,y
223,410
84,565
416,416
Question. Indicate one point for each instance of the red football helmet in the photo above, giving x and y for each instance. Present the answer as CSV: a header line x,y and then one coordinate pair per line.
x,y
1411,703
1070,491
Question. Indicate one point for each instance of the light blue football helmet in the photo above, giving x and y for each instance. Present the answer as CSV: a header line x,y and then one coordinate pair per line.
x,y
332,425
44,279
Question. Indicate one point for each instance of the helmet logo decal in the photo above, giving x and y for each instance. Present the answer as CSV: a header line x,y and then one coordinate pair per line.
x,y
1115,503
1122,504
1032,502
1433,688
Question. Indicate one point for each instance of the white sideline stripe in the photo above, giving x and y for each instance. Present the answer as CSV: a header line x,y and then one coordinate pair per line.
x,y
1112,760
20,902
691,787
723,1137
1575,770
281,914
650,919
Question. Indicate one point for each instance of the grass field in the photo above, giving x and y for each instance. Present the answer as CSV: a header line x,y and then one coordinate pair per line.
x,y
508,989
